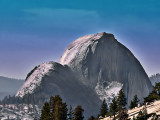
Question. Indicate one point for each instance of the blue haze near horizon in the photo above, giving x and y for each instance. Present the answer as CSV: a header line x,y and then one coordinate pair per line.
x,y
37,31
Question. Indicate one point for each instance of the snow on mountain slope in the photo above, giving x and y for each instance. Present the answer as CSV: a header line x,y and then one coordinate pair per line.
x,y
108,92
34,80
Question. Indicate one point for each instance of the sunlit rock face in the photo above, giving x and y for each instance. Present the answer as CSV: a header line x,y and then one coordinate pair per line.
x,y
100,60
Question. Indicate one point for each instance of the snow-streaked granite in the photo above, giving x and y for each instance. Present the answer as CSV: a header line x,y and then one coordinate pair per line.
x,y
108,92
34,80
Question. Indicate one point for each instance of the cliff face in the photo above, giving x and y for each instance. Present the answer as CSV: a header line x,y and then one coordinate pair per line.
x,y
106,66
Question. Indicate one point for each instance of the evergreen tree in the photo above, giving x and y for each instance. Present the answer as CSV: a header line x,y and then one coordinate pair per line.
x,y
122,115
51,103
113,107
78,113
91,118
134,103
144,110
56,109
45,115
104,108
70,114
59,109
154,95
121,100
143,114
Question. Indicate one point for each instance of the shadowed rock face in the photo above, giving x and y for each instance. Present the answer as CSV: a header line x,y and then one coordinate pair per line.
x,y
93,67
61,80
100,59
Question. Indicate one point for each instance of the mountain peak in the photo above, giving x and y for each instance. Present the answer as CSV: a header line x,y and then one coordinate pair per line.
x,y
98,66
93,37
104,62
82,43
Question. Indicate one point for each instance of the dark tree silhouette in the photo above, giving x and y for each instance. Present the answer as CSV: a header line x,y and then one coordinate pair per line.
x,y
104,108
113,107
154,95
78,113
91,118
134,102
45,115
71,113
121,100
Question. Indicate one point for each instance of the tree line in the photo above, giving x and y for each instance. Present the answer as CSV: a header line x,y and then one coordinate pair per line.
x,y
56,109
118,110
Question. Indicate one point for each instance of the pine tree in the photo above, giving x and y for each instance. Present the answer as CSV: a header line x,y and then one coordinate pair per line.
x,y
104,108
51,103
70,114
142,114
134,103
154,95
45,112
113,107
59,109
122,115
56,109
78,113
91,118
121,100
144,110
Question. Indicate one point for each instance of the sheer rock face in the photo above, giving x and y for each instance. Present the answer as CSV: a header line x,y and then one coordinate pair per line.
x,y
101,60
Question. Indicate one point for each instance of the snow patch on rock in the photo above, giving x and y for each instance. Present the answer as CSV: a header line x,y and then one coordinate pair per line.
x,y
34,80
108,92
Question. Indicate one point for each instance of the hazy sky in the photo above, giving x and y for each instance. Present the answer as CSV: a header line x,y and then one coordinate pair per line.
x,y
37,31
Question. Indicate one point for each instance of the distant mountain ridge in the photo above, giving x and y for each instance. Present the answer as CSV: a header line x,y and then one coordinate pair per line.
x,y
9,86
92,68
